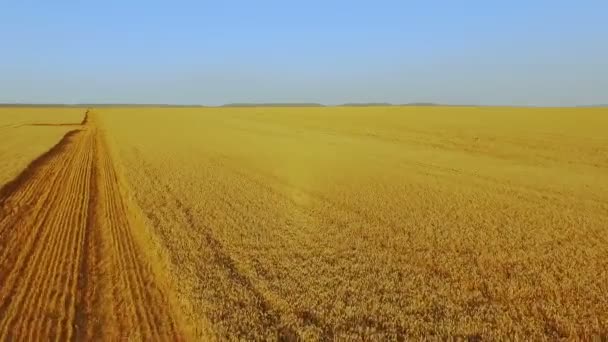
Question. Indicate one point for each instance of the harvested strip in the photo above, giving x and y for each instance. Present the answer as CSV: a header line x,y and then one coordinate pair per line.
x,y
69,265
133,303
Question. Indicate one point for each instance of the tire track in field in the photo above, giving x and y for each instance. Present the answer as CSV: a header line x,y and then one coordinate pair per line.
x,y
70,267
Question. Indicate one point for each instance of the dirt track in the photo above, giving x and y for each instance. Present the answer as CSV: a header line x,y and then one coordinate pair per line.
x,y
70,265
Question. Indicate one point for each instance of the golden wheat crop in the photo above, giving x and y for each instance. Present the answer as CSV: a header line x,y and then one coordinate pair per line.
x,y
375,223
22,139
74,262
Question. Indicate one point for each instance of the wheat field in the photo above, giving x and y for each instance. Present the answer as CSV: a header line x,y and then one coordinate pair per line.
x,y
330,223
26,133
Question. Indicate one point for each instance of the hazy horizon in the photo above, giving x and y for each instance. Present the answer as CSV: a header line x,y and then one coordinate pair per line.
x,y
546,53
286,104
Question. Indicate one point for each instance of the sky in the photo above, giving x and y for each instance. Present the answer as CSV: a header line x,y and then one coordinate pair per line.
x,y
552,53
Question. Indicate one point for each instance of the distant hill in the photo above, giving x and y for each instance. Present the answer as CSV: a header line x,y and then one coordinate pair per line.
x,y
417,104
387,104
366,104
144,105
273,105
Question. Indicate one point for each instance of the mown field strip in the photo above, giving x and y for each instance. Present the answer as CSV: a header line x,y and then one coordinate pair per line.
x,y
69,265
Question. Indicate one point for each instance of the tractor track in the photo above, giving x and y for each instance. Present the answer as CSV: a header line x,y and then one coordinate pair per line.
x,y
70,265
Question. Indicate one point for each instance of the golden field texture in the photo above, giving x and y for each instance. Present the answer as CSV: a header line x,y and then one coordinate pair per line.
x,y
26,133
378,222
336,223
73,265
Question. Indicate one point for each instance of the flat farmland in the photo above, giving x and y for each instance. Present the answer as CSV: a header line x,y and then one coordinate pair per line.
x,y
26,133
331,223
378,222
73,265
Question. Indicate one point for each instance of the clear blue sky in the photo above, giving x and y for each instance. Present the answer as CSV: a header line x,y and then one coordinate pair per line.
x,y
521,52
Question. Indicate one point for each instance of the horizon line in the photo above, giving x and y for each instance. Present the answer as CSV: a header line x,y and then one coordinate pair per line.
x,y
287,104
